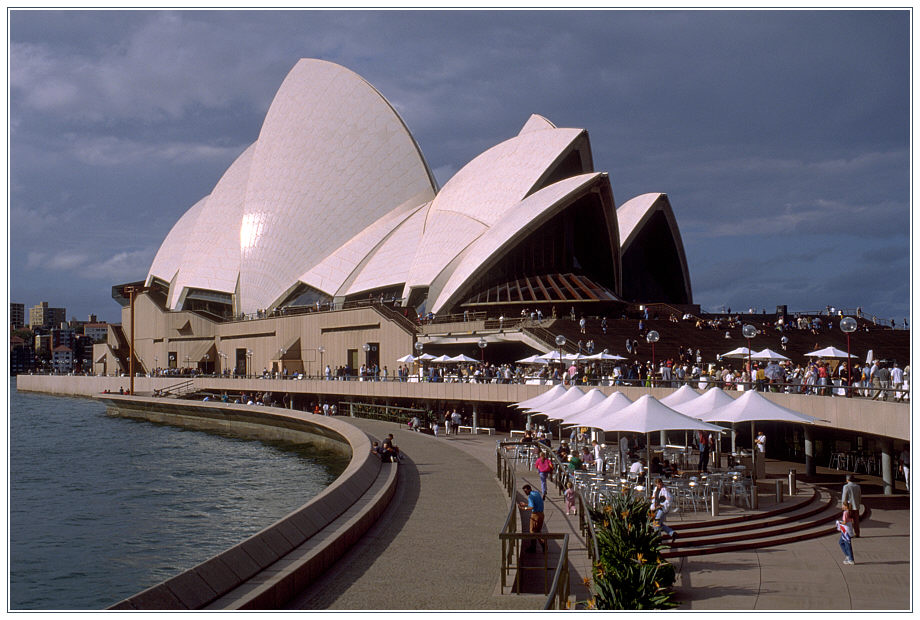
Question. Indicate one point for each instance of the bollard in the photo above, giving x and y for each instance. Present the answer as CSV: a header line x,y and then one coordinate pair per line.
x,y
779,491
715,503
792,485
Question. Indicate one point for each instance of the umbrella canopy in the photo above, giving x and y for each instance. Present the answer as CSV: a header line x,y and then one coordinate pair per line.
x,y
739,352
441,359
565,411
828,352
768,354
549,395
425,356
574,357
461,358
752,407
406,359
551,356
570,396
712,398
592,417
533,359
605,356
683,394
648,415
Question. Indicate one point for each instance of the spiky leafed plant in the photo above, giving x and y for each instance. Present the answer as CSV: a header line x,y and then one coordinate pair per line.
x,y
629,572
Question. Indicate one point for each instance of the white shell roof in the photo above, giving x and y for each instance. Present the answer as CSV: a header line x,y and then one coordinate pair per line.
x,y
389,263
169,257
525,218
212,251
332,158
480,193
336,194
634,212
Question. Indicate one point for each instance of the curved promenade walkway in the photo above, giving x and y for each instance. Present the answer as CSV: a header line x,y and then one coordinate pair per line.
x,y
436,547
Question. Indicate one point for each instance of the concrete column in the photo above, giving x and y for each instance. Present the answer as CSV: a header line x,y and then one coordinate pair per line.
x,y
886,466
476,421
351,409
734,436
662,439
810,464
529,426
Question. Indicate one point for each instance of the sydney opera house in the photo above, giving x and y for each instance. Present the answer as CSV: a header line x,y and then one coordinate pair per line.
x,y
334,205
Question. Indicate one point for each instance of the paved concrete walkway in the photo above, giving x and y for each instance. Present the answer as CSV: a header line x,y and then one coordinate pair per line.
x,y
437,548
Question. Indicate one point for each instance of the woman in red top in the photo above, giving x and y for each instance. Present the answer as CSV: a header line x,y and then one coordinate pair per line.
x,y
545,467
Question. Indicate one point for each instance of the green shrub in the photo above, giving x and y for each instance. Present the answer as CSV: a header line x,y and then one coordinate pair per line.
x,y
629,572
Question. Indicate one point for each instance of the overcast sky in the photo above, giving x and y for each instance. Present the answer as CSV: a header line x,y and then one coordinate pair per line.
x,y
781,137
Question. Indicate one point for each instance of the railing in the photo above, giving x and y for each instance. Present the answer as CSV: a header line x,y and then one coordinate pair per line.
x,y
387,413
177,389
557,591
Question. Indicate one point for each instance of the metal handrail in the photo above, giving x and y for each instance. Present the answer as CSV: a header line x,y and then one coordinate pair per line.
x,y
559,590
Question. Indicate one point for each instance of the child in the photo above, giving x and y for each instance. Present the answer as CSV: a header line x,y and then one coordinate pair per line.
x,y
845,526
570,499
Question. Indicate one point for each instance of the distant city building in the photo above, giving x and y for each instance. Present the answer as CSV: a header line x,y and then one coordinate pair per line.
x,y
17,315
43,316
96,331
62,359
22,356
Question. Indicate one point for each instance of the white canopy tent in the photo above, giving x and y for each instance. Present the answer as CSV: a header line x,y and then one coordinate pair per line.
x,y
549,395
594,416
604,356
461,358
769,354
564,411
828,352
570,396
551,356
532,359
713,398
406,359
739,352
441,359
575,357
753,407
682,394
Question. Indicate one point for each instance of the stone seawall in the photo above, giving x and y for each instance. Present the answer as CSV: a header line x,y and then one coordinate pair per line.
x,y
268,568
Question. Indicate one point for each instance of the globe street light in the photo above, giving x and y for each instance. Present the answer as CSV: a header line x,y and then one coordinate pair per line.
x,y
482,348
322,367
560,342
848,326
652,337
248,362
749,331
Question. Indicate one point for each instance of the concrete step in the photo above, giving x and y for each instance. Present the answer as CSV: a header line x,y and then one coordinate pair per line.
x,y
803,520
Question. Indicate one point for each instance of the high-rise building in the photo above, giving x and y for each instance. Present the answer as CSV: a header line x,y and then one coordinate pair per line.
x,y
43,316
17,315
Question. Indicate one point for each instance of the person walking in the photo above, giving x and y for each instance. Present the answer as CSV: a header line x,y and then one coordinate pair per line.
x,y
598,457
852,496
534,504
845,527
544,467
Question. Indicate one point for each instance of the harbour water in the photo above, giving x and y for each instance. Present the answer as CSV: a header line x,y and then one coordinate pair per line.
x,y
102,507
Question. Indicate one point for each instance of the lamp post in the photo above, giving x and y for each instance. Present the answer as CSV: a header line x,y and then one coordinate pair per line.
x,y
560,342
482,348
248,363
223,361
749,331
188,362
207,360
418,353
652,337
322,367
848,326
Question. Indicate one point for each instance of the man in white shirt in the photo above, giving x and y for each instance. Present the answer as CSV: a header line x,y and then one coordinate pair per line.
x,y
897,377
598,457
661,505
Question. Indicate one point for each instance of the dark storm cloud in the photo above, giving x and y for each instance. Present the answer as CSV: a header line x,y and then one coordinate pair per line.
x,y
781,137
